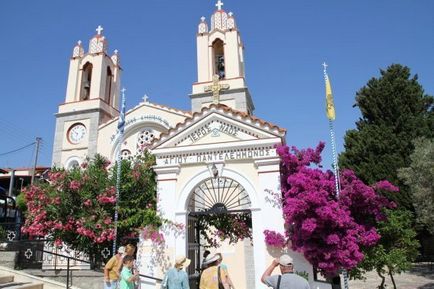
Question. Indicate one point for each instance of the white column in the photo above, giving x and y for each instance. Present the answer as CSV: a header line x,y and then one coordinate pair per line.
x,y
269,218
259,248
181,239
167,178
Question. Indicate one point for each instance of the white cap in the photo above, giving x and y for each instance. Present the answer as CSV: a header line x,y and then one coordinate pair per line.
x,y
285,260
121,250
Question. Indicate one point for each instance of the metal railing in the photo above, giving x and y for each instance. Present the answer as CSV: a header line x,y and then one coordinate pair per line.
x,y
31,255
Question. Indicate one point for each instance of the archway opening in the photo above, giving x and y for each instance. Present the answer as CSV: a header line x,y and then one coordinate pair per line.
x,y
219,220
219,58
86,81
108,86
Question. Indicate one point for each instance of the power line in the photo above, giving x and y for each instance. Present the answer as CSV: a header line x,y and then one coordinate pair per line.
x,y
13,151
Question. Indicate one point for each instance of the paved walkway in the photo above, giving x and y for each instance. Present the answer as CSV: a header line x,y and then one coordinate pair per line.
x,y
420,277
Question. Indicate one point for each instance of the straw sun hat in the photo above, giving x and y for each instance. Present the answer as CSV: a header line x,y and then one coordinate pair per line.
x,y
182,262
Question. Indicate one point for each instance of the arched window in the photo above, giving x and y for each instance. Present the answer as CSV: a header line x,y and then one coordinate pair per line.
x,y
86,81
108,85
219,58
72,163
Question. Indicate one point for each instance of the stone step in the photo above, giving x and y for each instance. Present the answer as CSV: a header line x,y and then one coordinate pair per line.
x,y
12,285
22,285
7,259
6,279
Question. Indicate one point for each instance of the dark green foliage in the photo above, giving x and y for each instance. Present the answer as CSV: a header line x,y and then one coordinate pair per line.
x,y
395,110
21,203
398,247
137,207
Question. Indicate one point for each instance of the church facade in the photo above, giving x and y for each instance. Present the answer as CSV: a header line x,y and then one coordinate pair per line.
x,y
218,156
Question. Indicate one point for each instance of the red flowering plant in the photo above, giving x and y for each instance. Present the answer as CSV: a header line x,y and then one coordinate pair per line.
x,y
76,206
331,231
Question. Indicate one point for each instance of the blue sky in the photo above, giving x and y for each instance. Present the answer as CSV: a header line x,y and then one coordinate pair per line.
x,y
285,44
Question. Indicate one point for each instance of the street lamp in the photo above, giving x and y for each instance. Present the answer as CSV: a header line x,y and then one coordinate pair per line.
x,y
22,180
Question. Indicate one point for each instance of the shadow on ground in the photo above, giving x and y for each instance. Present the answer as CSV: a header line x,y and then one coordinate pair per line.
x,y
423,269
426,286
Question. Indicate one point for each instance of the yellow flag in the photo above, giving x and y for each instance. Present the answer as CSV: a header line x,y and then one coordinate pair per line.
x,y
330,108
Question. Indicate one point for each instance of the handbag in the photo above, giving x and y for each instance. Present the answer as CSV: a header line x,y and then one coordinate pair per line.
x,y
221,286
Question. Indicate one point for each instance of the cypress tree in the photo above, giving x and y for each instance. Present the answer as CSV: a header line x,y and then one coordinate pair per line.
x,y
395,111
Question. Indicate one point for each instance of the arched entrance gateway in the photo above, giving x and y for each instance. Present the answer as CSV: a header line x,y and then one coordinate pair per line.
x,y
219,212
219,163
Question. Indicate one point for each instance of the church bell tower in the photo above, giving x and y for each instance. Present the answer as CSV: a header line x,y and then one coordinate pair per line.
x,y
220,64
92,98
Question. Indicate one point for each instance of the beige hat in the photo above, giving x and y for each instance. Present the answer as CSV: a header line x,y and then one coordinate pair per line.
x,y
285,260
182,262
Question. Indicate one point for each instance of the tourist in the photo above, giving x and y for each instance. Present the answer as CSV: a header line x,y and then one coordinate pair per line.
x,y
112,269
225,268
214,277
205,254
127,277
176,277
130,249
288,279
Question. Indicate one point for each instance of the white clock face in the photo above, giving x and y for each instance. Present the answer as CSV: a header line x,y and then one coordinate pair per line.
x,y
76,133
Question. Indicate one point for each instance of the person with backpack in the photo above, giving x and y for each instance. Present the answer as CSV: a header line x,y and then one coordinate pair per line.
x,y
214,276
287,280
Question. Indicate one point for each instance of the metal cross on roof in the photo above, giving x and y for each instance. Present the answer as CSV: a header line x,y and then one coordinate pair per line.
x,y
215,88
99,29
219,5
145,98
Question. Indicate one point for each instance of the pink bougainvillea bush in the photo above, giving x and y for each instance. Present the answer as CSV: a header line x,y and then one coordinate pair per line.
x,y
331,231
76,207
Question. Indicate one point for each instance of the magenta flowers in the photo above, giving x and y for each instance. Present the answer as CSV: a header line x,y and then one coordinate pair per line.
x,y
330,231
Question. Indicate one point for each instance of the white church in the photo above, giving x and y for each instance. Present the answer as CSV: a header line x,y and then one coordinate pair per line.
x,y
218,148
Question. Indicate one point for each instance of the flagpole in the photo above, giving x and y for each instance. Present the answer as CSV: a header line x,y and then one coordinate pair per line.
x,y
121,126
331,115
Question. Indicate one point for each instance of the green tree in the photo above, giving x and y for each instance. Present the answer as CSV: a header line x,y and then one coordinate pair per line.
x,y
138,201
419,177
398,248
395,110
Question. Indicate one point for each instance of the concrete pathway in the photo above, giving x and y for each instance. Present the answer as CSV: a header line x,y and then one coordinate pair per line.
x,y
420,277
